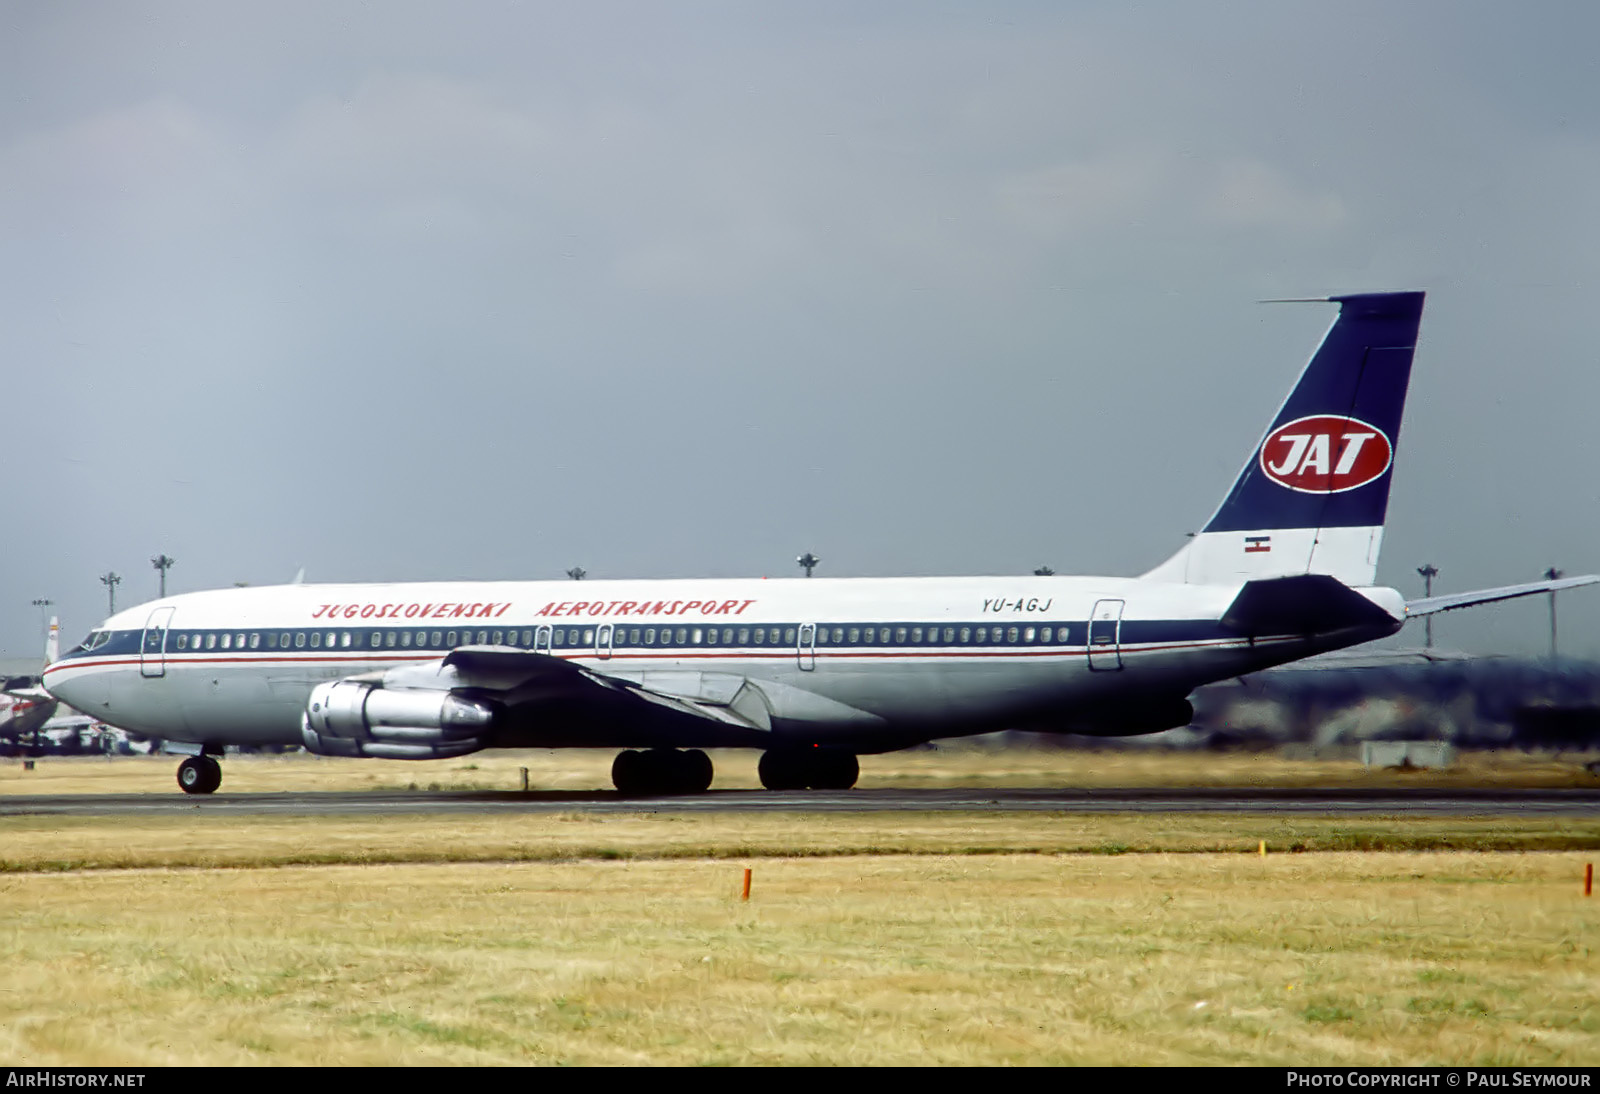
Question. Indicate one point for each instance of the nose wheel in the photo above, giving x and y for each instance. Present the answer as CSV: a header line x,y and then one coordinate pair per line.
x,y
199,775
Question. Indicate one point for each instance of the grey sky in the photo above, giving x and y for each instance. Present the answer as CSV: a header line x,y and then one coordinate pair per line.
x,y
409,291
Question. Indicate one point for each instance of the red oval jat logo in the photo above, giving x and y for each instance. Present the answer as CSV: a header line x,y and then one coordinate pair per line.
x,y
1325,454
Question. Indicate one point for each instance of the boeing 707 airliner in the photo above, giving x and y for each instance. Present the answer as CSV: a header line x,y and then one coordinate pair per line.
x,y
813,672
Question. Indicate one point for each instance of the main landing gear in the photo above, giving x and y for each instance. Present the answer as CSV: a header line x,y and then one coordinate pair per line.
x,y
808,769
662,771
199,775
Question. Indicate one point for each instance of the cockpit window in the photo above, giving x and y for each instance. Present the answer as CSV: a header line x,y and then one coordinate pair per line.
x,y
95,640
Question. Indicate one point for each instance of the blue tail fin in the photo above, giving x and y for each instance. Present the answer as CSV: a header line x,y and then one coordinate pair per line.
x,y
1313,495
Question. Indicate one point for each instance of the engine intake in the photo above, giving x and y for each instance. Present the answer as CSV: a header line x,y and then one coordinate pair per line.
x,y
351,718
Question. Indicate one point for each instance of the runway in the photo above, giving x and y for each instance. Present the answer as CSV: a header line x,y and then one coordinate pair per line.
x,y
1309,801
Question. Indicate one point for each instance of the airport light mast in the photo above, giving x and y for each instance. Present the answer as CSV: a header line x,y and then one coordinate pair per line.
x,y
577,573
808,562
43,603
163,564
1553,574
111,579
1428,572
1044,571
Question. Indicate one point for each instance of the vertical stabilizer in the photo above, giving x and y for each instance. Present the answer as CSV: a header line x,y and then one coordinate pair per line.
x,y
1313,495
52,642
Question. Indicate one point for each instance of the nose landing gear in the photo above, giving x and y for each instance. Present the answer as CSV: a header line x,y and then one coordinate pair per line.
x,y
199,775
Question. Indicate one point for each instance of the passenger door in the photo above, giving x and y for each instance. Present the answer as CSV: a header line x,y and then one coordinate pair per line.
x,y
1105,636
153,646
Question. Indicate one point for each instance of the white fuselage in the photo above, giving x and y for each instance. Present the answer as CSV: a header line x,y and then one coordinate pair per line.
x,y
910,657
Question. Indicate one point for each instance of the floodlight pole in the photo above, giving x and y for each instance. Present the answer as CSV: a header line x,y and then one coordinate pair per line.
x,y
111,579
44,616
808,562
162,563
1428,572
1553,574
577,573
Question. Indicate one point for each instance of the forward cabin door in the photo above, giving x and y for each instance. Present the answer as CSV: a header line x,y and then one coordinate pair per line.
x,y
806,650
1105,636
602,642
153,647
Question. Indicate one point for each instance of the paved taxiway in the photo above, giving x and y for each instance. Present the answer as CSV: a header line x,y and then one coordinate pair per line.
x,y
1364,802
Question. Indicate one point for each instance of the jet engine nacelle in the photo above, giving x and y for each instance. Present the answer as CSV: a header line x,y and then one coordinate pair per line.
x,y
354,718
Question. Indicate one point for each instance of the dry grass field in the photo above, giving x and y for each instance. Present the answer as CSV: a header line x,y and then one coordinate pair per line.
x,y
590,938
1322,958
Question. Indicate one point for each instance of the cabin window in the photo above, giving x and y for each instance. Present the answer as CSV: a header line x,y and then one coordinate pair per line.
x,y
227,641
283,640
1044,634
916,634
1027,634
1011,635
183,641
299,639
255,640
966,635
316,640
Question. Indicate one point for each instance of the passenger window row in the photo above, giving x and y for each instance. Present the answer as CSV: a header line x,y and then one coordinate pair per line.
x,y
890,635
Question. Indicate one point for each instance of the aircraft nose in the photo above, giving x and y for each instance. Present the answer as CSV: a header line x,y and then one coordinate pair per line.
x,y
83,690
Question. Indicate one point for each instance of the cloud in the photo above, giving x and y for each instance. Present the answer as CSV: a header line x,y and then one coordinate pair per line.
x,y
1144,184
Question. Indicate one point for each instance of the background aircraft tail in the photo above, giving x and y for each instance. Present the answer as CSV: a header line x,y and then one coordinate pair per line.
x,y
1313,495
52,643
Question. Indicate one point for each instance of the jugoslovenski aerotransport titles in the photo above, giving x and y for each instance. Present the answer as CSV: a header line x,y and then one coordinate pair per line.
x,y
813,672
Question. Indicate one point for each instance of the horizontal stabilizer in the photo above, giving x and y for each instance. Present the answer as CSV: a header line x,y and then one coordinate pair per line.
x,y
1301,604
1430,605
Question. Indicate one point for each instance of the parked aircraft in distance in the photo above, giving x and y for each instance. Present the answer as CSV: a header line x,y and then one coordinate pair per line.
x,y
25,706
812,672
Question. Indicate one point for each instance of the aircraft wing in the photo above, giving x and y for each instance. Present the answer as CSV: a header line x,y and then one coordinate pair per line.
x,y
1430,605
531,676
481,695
